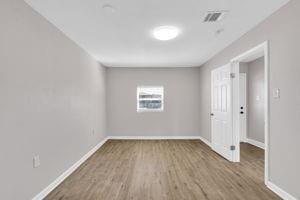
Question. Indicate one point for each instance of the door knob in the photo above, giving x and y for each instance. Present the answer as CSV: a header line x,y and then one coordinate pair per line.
x,y
242,112
211,114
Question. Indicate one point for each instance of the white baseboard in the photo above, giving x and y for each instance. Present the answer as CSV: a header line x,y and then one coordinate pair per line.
x,y
205,141
153,137
67,173
280,192
160,138
255,143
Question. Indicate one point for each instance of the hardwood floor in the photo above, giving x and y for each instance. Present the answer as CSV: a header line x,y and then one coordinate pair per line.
x,y
165,170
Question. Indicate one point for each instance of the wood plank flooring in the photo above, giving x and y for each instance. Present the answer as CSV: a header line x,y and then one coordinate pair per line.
x,y
165,170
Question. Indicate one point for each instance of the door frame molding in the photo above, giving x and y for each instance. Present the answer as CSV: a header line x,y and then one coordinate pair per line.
x,y
261,48
243,137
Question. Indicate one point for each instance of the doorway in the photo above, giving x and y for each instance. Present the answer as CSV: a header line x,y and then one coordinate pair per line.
x,y
230,110
251,102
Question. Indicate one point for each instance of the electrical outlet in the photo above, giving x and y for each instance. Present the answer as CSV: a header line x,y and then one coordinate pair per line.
x,y
36,161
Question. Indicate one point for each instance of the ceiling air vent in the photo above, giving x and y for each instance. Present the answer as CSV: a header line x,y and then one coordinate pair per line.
x,y
214,16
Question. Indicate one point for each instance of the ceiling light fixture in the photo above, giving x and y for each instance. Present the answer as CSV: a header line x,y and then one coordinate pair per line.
x,y
165,33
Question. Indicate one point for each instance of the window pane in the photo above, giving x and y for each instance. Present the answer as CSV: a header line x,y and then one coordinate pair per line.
x,y
150,98
150,104
146,96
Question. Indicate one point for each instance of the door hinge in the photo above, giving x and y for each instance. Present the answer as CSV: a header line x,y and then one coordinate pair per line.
x,y
232,147
232,75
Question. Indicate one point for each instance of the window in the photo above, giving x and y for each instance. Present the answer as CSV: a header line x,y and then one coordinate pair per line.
x,y
150,99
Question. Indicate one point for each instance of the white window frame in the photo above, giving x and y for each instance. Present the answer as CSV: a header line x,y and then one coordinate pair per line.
x,y
140,110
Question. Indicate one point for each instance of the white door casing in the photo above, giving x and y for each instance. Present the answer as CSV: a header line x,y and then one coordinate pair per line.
x,y
261,49
243,107
221,107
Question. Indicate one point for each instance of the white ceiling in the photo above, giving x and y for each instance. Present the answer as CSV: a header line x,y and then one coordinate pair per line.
x,y
123,38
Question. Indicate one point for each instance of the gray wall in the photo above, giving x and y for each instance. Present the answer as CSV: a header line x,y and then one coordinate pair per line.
x,y
282,30
255,89
52,98
181,109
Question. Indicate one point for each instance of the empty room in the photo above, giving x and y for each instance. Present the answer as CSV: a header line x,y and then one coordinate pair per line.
x,y
149,100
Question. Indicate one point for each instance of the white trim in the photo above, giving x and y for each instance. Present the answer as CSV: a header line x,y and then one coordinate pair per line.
x,y
160,138
235,85
68,172
153,138
280,192
208,143
264,47
255,143
243,132
250,52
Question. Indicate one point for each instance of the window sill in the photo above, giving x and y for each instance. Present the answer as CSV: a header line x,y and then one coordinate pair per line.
x,y
147,111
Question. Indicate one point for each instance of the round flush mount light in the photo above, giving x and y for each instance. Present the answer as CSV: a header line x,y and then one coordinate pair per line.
x,y
166,32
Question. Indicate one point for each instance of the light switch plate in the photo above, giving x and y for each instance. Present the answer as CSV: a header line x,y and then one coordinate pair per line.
x,y
276,93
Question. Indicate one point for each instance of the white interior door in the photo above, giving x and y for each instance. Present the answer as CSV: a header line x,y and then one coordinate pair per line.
x,y
221,116
243,107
